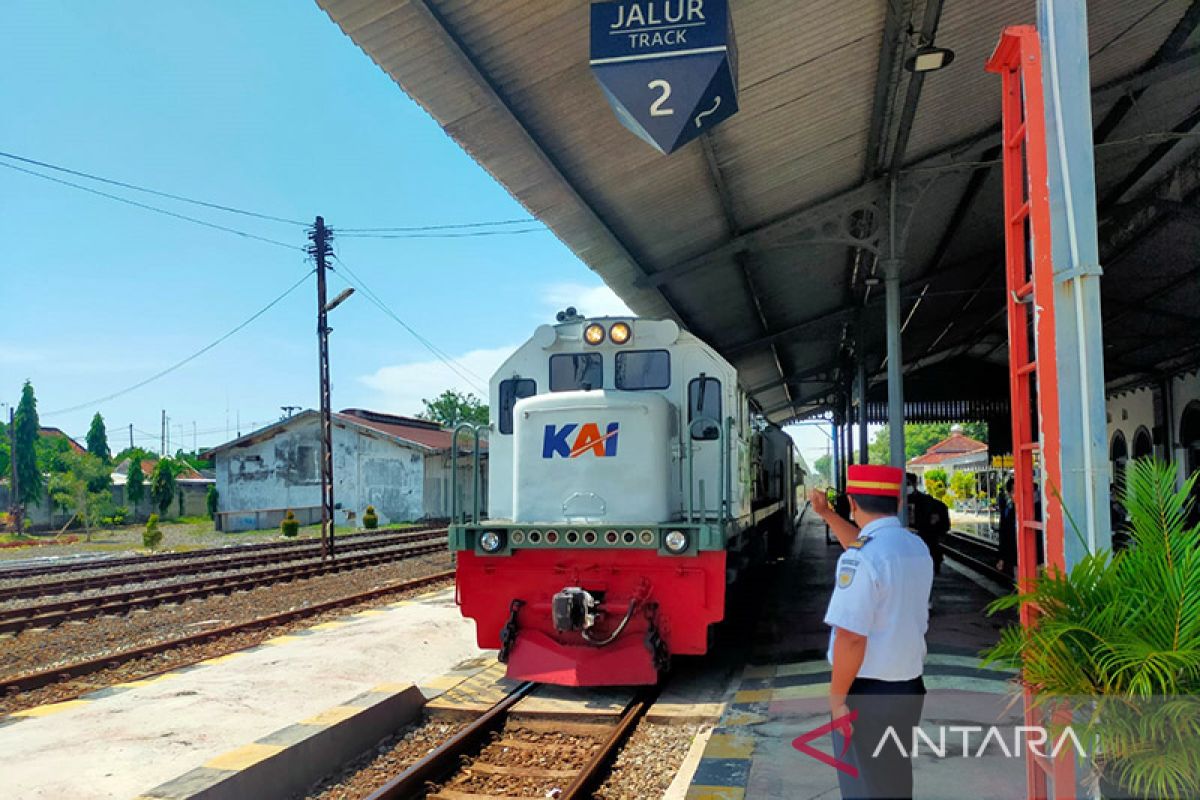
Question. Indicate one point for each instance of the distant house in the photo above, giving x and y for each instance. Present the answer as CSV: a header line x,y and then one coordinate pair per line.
x,y
189,485
957,453
399,465
57,433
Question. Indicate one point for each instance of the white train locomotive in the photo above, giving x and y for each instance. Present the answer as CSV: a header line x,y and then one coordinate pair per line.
x,y
629,483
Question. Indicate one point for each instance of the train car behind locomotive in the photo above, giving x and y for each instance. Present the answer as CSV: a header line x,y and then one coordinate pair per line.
x,y
629,484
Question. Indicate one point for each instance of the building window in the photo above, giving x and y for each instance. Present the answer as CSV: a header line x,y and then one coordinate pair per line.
x,y
704,401
511,391
643,369
571,371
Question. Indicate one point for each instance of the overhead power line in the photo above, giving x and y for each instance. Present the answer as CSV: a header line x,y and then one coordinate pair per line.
x,y
136,188
178,364
408,231
451,226
467,235
155,209
451,363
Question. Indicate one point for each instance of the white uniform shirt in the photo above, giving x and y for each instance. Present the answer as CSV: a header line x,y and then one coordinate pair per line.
x,y
882,592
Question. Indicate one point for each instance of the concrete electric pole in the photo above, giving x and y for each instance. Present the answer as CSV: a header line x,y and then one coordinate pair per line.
x,y
319,250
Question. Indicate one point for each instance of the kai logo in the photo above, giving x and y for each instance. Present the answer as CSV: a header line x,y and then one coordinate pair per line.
x,y
560,441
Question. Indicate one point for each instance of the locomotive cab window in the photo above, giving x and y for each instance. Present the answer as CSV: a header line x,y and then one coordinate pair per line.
x,y
511,391
643,369
704,402
571,371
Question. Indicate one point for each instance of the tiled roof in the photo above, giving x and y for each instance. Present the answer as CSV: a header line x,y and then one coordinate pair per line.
x,y
956,446
51,433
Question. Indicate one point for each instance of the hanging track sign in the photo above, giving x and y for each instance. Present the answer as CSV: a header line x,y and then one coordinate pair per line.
x,y
668,67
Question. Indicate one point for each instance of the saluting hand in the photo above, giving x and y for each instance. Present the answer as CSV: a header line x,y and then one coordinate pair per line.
x,y
819,501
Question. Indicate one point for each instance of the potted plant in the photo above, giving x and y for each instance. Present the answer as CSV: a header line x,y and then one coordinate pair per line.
x,y
290,526
370,519
1117,639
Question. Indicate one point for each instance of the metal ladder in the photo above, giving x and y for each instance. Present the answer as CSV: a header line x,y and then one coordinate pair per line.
x,y
1031,346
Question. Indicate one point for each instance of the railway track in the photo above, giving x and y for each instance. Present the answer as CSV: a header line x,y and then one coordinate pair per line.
x,y
477,763
199,566
975,553
52,568
34,680
53,613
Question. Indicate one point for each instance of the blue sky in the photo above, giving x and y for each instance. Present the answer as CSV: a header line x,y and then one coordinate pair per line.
x,y
263,106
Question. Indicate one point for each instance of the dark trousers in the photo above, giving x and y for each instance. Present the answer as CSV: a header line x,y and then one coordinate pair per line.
x,y
880,705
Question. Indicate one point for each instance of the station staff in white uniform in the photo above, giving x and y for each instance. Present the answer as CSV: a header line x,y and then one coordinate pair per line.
x,y
879,612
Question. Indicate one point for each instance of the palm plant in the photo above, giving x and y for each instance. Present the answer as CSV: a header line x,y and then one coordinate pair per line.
x,y
1118,637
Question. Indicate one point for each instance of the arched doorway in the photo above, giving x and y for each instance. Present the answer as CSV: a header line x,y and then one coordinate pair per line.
x,y
1143,443
1118,454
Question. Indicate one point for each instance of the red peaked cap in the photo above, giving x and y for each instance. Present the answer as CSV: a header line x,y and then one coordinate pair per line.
x,y
874,479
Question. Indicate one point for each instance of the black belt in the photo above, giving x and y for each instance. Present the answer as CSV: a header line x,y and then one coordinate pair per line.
x,y
868,686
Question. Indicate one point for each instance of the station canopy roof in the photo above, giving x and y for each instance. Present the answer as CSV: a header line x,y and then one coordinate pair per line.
x,y
761,235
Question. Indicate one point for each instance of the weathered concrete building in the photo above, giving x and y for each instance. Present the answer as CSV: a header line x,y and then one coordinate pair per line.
x,y
399,465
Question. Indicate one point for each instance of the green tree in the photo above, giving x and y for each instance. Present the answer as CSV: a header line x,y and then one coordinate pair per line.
x,y
135,484
52,450
962,485
823,466
211,498
936,483
26,424
97,439
185,459
137,454
162,485
919,437
83,489
452,407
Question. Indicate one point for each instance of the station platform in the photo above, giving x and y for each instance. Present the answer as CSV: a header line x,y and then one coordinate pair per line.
x,y
174,734
782,694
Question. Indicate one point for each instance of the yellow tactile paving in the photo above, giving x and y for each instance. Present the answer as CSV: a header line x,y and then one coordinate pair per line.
x,y
801,692
244,756
328,626
50,708
716,793
371,612
759,671
805,668
224,658
727,745
278,641
332,716
752,696
147,681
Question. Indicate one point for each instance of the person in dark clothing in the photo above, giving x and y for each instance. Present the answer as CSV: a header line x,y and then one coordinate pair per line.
x,y
929,518
1008,531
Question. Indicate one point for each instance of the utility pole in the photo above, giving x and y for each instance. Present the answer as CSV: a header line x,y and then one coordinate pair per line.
x,y
16,513
319,250
162,447
131,436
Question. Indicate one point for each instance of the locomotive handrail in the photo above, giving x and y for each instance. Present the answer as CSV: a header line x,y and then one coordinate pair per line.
x,y
475,472
722,469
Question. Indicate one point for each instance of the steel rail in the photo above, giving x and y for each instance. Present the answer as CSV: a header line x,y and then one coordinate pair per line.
x,y
446,757
10,573
34,680
972,552
49,614
202,565
593,772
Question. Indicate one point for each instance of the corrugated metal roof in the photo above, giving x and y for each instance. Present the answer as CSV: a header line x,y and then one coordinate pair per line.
x,y
691,235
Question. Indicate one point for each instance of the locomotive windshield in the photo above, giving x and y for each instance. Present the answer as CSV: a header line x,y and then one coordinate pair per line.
x,y
704,402
571,371
643,369
511,391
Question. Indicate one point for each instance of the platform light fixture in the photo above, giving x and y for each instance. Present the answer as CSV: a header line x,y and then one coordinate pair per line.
x,y
929,59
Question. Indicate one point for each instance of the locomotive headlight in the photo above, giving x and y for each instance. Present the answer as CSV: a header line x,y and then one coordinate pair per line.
x,y
490,541
594,333
676,541
620,333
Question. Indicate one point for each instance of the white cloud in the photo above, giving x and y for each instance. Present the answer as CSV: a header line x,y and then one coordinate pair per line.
x,y
591,301
401,387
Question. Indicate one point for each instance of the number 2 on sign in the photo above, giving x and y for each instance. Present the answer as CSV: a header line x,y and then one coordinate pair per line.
x,y
656,108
